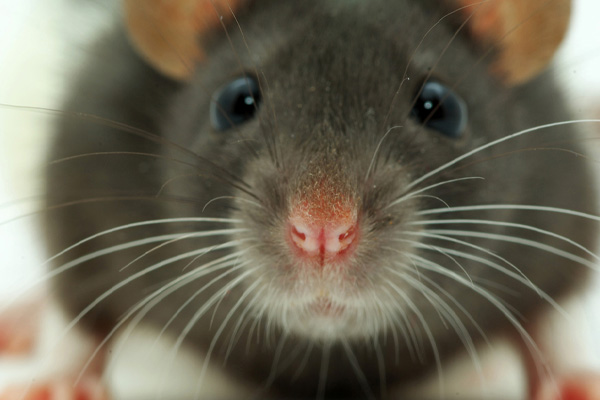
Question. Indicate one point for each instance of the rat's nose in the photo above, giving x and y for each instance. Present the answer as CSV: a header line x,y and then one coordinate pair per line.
x,y
325,233
326,240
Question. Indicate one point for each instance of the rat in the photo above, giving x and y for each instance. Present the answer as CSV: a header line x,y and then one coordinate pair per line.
x,y
324,198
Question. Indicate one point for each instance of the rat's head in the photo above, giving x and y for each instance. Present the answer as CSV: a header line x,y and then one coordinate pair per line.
x,y
330,112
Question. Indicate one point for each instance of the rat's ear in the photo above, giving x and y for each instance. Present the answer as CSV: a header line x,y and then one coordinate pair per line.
x,y
168,33
525,33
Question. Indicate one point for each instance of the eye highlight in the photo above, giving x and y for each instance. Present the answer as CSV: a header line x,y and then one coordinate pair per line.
x,y
235,103
441,109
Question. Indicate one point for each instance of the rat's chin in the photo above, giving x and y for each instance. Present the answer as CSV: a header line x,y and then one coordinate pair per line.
x,y
324,319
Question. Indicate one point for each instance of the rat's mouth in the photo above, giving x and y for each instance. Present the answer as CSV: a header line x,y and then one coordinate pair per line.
x,y
323,306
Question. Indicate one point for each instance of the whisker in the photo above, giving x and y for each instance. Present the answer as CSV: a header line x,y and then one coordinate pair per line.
x,y
304,361
101,199
381,368
152,300
122,153
198,314
414,193
540,364
173,179
122,127
428,333
242,322
325,356
271,146
405,328
536,149
517,240
102,252
510,207
494,143
509,225
412,56
450,316
458,305
218,333
357,371
138,224
180,237
238,266
160,294
440,250
376,152
137,275
232,198
521,277
275,369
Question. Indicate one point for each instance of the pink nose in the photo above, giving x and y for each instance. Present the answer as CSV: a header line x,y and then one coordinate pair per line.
x,y
326,241
323,223
323,242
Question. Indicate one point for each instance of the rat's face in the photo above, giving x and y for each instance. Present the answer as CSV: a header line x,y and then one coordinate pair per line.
x,y
332,121
370,201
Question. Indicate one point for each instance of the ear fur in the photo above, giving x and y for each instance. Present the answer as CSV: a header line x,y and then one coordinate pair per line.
x,y
525,33
168,33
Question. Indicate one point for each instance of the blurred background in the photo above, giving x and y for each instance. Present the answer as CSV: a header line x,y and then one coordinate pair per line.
x,y
41,43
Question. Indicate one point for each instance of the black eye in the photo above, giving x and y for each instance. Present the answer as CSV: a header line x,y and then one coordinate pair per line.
x,y
441,109
234,103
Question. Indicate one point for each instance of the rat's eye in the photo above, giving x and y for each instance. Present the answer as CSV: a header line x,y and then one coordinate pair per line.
x,y
441,109
234,103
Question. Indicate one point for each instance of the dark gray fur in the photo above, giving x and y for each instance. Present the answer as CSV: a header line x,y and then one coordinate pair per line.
x,y
329,71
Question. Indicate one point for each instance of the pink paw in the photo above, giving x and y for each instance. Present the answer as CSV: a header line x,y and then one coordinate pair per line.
x,y
88,389
581,387
19,328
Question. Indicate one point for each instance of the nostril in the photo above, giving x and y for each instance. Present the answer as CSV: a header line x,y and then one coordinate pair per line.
x,y
298,235
347,236
339,242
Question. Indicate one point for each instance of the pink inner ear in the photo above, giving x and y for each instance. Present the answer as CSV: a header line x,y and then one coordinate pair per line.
x,y
168,33
526,34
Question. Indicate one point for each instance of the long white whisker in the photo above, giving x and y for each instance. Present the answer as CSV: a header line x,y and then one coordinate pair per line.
x,y
510,207
276,360
102,252
457,304
180,237
449,315
517,240
357,371
421,318
232,198
155,298
406,329
509,225
442,251
376,152
325,356
494,143
241,324
199,315
519,277
138,224
302,364
416,192
217,334
238,266
209,303
381,368
540,365
476,247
